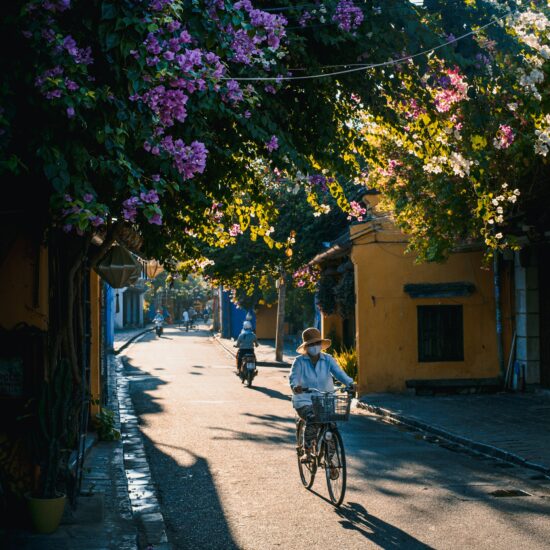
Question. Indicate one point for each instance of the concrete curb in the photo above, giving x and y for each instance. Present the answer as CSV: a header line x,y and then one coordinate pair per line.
x,y
259,363
132,340
482,448
146,510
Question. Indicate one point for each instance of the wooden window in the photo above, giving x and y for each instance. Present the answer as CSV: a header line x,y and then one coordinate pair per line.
x,y
440,333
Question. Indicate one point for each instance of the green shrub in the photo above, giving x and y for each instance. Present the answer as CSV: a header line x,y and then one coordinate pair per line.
x,y
347,359
105,425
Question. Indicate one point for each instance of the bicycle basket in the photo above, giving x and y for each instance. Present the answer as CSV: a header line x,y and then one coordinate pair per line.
x,y
331,408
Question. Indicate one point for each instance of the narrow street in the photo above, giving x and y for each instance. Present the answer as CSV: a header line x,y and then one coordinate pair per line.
x,y
223,460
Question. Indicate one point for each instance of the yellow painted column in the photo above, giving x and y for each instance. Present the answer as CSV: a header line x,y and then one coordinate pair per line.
x,y
95,342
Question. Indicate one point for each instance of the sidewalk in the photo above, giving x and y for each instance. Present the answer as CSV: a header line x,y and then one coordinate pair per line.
x,y
103,518
265,352
512,427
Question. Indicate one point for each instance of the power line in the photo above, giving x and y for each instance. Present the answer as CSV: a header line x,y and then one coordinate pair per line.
x,y
368,66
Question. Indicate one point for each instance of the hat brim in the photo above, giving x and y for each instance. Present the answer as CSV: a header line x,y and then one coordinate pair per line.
x,y
325,344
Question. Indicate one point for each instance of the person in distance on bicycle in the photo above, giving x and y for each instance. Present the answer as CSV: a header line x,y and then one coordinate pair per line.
x,y
313,369
245,342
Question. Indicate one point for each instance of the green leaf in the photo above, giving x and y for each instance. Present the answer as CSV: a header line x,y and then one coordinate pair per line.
x,y
108,11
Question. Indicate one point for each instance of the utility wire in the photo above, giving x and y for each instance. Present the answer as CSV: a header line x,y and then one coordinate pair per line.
x,y
367,66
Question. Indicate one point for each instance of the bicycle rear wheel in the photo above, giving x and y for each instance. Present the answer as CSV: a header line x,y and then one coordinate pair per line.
x,y
307,469
335,468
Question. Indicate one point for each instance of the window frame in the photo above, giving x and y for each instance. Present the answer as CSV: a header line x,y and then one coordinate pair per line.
x,y
449,347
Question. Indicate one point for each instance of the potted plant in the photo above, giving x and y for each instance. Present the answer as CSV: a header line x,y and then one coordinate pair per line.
x,y
50,437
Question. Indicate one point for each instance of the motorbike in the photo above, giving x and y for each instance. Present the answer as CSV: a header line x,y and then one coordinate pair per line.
x,y
248,369
158,328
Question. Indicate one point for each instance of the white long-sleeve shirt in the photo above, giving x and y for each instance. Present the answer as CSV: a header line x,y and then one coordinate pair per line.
x,y
319,377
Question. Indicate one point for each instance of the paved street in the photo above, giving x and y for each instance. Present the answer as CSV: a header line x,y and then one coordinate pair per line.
x,y
222,457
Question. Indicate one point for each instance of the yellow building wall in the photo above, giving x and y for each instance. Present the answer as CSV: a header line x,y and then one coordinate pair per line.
x,y
24,286
332,327
387,318
266,322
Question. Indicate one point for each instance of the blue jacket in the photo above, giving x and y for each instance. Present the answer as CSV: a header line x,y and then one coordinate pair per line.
x,y
246,340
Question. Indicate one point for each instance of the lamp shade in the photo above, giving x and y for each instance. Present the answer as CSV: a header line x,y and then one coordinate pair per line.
x,y
118,267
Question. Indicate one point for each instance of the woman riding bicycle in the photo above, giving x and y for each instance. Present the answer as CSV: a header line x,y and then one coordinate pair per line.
x,y
314,370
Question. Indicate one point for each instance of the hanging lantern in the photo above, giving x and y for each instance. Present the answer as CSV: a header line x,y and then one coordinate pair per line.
x,y
118,267
135,276
153,269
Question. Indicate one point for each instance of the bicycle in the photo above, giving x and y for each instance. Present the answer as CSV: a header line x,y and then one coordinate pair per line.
x,y
328,447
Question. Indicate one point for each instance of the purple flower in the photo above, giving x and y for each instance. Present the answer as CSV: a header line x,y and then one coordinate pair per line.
x,y
129,209
188,159
150,197
88,197
156,219
71,85
234,92
70,112
67,227
155,177
97,221
348,16
272,144
68,198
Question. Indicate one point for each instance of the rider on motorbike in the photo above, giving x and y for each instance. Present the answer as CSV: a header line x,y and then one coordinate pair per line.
x,y
245,342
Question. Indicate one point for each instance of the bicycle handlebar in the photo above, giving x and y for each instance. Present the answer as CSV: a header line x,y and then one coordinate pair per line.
x,y
312,390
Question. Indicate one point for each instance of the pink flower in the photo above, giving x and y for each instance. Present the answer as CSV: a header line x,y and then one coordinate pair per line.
x,y
356,211
504,138
235,230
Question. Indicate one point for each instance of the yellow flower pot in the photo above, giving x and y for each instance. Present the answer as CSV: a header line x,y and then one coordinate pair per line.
x,y
46,513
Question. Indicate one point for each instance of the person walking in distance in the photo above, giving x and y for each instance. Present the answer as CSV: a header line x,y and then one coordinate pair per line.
x,y
186,320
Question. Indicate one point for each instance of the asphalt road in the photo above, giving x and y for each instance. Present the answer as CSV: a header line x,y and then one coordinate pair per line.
x,y
223,459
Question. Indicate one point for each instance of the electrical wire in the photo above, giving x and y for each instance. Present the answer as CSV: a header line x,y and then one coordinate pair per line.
x,y
370,65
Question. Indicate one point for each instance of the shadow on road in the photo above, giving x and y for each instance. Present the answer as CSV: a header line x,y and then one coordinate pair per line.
x,y
141,383
275,394
189,500
190,503
356,518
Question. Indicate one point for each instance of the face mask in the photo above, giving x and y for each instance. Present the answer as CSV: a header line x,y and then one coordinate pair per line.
x,y
314,350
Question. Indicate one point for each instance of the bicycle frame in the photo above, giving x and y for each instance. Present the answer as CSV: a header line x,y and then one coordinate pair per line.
x,y
325,456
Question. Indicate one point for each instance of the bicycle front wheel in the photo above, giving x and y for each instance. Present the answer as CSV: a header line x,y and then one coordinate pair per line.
x,y
335,468
307,469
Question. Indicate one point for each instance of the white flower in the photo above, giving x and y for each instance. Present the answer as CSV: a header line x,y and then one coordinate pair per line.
x,y
495,202
500,210
491,221
499,236
460,165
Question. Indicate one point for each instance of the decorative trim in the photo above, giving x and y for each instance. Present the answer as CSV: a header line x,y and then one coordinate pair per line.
x,y
439,290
